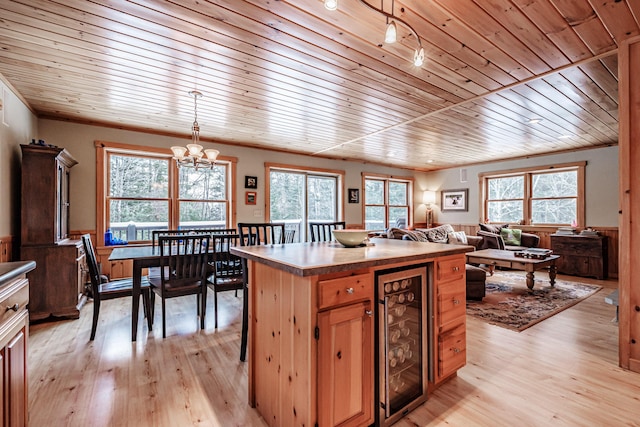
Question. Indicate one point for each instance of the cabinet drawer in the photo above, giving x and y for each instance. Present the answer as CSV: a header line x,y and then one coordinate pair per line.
x,y
15,300
451,268
582,246
451,302
452,351
344,290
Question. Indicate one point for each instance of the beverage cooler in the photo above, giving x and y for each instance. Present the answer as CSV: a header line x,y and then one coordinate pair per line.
x,y
403,356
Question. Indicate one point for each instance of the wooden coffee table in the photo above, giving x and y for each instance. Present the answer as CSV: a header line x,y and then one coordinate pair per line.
x,y
500,258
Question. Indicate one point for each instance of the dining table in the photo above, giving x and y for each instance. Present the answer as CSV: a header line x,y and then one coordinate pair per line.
x,y
143,256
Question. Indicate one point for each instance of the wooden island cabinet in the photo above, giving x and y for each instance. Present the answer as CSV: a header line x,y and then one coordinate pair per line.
x,y
312,326
14,332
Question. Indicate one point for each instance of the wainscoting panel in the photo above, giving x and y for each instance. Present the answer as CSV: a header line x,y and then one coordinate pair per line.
x,y
6,249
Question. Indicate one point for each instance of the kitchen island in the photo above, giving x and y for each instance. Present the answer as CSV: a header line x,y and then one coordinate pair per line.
x,y
312,317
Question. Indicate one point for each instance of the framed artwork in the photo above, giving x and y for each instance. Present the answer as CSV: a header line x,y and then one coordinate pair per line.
x,y
354,195
251,197
455,200
250,182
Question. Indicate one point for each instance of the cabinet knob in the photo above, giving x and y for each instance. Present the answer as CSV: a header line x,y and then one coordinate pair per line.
x,y
13,307
368,313
456,302
349,290
456,350
455,268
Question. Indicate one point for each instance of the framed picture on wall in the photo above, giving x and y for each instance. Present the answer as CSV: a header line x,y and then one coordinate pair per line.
x,y
250,182
455,200
251,197
354,195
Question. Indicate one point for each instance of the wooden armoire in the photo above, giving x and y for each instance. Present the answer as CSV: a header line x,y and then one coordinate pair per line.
x,y
57,280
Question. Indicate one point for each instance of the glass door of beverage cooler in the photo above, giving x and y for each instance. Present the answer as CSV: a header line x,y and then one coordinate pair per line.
x,y
403,361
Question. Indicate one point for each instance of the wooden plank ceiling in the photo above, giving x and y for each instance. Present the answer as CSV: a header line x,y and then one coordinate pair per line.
x,y
291,75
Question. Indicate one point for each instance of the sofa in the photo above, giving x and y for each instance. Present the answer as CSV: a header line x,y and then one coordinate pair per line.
x,y
501,236
475,276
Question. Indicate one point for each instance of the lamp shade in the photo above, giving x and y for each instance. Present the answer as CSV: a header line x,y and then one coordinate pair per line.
x,y
391,34
429,197
178,152
331,4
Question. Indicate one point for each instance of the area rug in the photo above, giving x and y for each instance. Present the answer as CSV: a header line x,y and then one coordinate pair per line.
x,y
510,304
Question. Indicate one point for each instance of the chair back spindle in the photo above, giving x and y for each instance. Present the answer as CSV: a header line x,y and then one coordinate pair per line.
x,y
321,231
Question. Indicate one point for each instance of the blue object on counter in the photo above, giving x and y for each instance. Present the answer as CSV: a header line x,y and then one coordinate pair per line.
x,y
108,237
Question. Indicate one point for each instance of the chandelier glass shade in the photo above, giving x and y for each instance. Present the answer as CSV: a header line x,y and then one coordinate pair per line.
x,y
194,155
391,33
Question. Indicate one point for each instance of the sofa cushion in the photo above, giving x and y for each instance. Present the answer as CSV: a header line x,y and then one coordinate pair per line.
x,y
511,236
457,238
493,228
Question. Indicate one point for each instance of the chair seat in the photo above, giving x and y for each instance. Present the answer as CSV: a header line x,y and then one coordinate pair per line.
x,y
121,287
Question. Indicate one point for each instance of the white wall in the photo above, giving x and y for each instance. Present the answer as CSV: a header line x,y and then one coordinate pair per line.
x,y
79,140
17,126
601,186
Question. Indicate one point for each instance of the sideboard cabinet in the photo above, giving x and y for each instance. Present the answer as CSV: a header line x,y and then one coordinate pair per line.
x,y
57,281
581,255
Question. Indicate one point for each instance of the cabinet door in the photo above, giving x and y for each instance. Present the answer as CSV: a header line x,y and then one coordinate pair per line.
x,y
345,366
16,379
577,265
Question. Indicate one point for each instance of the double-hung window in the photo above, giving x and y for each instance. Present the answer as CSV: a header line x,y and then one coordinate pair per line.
x,y
552,195
387,201
141,189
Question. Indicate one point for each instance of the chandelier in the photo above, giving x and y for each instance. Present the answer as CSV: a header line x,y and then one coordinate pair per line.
x,y
392,29
194,155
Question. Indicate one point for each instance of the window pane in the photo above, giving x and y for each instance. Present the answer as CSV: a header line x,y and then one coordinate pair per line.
x,y
554,211
322,198
203,214
397,194
396,213
506,188
134,219
139,177
559,184
203,184
373,192
286,201
374,218
505,211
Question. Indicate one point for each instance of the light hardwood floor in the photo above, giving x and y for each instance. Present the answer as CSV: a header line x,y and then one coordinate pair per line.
x,y
562,372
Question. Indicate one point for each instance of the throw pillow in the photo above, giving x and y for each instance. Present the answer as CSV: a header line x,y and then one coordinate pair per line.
x,y
415,235
439,234
395,233
458,238
493,228
511,236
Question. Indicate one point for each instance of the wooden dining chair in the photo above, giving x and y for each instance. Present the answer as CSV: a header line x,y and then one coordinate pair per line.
x,y
106,290
252,234
182,231
227,268
183,271
289,236
321,231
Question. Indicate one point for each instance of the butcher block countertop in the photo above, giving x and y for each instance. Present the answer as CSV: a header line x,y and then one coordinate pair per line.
x,y
309,259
